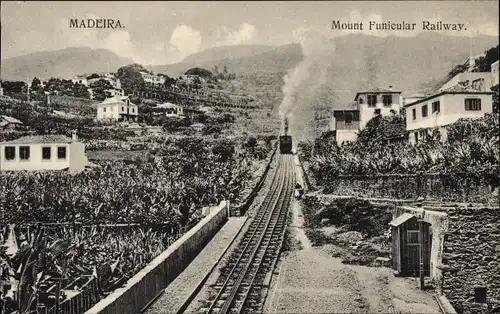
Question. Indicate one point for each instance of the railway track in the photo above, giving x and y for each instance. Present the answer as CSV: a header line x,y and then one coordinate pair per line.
x,y
240,283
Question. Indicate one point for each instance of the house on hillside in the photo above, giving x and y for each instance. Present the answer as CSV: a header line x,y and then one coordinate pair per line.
x,y
476,80
43,152
80,79
345,124
169,110
9,123
494,74
348,121
375,101
444,108
153,79
118,108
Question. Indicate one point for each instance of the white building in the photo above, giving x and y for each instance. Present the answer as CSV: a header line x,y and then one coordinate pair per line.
x,y
494,74
477,80
169,110
43,152
118,108
413,98
444,108
376,101
80,79
153,79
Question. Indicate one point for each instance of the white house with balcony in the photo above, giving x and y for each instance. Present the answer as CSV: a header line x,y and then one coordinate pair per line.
x,y
117,108
377,101
43,152
444,108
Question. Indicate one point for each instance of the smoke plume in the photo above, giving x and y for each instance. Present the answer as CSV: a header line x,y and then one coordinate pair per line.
x,y
308,87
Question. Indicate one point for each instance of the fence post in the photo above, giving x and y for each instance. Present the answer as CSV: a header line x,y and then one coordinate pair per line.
x,y
419,184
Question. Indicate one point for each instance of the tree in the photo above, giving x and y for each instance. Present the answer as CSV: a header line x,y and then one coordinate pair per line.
x,y
131,78
36,84
99,89
483,64
13,86
204,73
495,98
93,76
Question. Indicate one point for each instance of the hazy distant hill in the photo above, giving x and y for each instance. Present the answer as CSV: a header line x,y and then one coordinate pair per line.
x,y
62,63
407,63
226,52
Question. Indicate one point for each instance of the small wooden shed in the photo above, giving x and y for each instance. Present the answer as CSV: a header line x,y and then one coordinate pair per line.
x,y
406,244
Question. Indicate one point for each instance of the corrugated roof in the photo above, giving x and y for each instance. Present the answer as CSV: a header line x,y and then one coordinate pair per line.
x,y
401,219
40,139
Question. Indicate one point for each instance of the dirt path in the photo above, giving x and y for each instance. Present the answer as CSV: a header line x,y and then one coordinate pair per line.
x,y
310,280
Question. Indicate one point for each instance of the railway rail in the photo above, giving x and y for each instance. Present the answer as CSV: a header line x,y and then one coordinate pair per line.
x,y
240,283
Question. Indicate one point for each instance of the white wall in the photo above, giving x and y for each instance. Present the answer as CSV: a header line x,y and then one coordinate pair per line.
x,y
78,159
35,162
346,136
113,111
367,113
452,109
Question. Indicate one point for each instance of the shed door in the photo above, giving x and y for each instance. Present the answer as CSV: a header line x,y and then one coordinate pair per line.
x,y
413,260
413,245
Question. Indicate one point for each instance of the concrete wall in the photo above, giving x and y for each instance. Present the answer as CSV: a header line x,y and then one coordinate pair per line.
x,y
346,136
157,275
78,159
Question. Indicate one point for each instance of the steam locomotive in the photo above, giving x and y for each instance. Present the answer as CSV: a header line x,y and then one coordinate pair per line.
x,y
285,140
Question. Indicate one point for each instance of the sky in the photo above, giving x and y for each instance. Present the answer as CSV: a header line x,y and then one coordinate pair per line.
x,y
166,32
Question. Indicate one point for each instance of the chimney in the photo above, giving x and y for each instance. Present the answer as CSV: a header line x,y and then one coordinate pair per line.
x,y
74,136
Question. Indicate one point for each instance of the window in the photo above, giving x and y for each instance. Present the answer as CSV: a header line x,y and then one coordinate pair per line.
x,y
24,152
360,100
387,100
348,118
123,108
133,110
436,107
61,153
372,100
104,109
414,113
472,104
46,153
424,111
413,236
10,153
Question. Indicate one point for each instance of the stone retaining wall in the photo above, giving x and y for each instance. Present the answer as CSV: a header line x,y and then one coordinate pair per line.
x,y
472,257
429,186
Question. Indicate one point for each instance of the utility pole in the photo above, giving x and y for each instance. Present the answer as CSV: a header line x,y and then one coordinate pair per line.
x,y
28,87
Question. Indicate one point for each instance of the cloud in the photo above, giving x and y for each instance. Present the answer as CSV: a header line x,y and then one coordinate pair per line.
x,y
115,40
186,39
244,34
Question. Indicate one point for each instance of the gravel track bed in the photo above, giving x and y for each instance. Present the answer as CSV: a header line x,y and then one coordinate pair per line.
x,y
180,289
